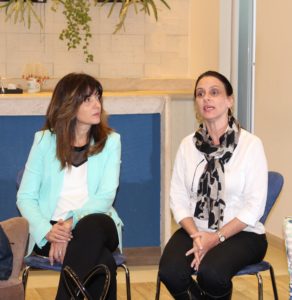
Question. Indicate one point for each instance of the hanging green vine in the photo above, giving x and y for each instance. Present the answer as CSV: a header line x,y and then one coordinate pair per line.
x,y
78,31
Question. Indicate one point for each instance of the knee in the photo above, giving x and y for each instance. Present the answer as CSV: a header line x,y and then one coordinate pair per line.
x,y
174,277
97,220
213,281
98,223
98,226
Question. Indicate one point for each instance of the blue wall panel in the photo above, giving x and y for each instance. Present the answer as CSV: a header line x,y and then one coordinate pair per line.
x,y
138,197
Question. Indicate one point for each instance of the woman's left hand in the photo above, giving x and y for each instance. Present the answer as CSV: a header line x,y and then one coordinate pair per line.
x,y
60,232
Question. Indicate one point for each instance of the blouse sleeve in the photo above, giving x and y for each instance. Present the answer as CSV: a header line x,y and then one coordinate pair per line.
x,y
256,183
179,198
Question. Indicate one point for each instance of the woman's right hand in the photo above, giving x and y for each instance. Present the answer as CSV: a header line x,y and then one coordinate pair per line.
x,y
197,251
60,232
57,252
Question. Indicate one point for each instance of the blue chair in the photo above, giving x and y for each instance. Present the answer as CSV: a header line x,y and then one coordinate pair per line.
x,y
34,261
275,184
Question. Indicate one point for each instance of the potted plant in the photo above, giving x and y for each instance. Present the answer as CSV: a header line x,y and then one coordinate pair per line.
x,y
77,31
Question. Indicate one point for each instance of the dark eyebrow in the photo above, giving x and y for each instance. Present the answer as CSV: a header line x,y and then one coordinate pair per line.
x,y
199,89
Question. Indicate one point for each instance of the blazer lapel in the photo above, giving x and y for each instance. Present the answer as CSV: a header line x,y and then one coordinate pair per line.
x,y
94,171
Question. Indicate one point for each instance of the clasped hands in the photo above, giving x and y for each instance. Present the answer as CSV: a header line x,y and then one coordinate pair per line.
x,y
202,243
59,236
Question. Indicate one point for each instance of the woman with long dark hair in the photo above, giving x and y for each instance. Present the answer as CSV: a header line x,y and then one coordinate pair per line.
x,y
70,181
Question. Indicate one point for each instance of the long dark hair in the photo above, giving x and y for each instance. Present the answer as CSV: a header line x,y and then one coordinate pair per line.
x,y
68,95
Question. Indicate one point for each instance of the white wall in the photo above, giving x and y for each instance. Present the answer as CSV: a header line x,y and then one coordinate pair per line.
x,y
182,44
145,49
204,18
273,102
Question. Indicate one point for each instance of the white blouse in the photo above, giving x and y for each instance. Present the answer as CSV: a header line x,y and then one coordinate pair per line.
x,y
246,180
74,192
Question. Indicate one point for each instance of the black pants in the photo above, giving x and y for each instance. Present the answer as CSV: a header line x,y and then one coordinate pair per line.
x,y
218,266
94,239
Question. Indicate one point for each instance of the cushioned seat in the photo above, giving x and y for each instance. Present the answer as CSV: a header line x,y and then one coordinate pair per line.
x,y
11,289
16,230
42,262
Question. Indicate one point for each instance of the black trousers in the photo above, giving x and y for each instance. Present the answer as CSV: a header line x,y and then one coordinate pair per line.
x,y
94,239
217,267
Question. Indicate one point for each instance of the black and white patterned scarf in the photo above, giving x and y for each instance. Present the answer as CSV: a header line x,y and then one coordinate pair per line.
x,y
210,205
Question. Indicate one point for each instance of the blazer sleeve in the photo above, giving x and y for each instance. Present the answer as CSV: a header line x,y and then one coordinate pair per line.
x,y
28,194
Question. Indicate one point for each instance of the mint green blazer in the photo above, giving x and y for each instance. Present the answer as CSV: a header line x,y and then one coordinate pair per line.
x,y
42,182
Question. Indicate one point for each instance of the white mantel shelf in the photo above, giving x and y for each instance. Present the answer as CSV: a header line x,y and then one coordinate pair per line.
x,y
133,102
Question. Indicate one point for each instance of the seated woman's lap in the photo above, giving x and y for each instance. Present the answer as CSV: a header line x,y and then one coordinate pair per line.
x,y
94,239
218,266
98,229
97,225
221,263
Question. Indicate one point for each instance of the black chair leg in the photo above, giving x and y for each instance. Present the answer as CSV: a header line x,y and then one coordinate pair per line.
x,y
273,279
158,283
260,286
128,285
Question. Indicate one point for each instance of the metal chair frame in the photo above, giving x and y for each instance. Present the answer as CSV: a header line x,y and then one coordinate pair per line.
x,y
120,261
240,273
